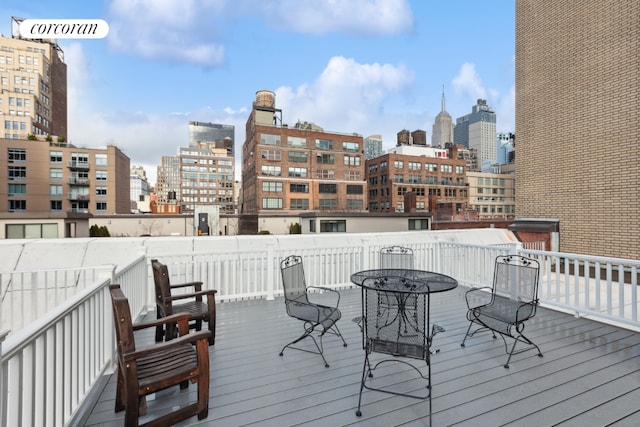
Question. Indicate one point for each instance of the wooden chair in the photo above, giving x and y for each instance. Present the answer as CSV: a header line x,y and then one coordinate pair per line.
x,y
315,316
143,370
504,307
194,305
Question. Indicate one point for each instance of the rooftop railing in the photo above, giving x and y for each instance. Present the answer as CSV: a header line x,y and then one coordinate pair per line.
x,y
52,369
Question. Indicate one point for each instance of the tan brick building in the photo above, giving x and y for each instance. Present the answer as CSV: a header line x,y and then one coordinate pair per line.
x,y
492,195
33,88
415,179
301,168
577,121
50,179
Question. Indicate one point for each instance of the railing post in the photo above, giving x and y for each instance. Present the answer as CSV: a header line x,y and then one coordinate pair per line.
x,y
271,260
3,387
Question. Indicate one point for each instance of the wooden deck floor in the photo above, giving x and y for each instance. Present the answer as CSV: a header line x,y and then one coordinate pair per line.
x,y
589,375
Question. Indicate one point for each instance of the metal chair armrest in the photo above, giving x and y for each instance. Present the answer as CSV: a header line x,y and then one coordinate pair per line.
x,y
475,291
324,288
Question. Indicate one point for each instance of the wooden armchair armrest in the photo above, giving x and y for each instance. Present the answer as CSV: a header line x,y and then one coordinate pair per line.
x,y
196,284
174,318
194,294
191,338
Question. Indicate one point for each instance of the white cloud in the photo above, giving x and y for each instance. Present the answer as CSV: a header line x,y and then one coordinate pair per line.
x,y
328,16
469,82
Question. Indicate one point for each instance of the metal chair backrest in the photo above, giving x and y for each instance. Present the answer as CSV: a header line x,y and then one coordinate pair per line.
x,y
516,277
396,257
293,280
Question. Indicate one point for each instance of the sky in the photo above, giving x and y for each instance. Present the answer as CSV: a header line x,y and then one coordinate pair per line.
x,y
373,67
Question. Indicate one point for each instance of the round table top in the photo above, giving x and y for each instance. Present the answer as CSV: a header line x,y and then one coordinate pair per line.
x,y
404,280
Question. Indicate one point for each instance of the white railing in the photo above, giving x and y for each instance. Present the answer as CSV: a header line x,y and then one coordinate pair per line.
x,y
50,368
26,296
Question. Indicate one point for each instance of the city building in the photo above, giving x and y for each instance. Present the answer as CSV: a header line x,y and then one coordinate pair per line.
x,y
442,132
220,136
167,188
477,130
373,146
417,137
139,184
505,148
54,180
298,169
492,195
206,178
577,87
33,87
409,179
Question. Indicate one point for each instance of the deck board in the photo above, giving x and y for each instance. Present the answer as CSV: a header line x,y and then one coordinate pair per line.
x,y
589,374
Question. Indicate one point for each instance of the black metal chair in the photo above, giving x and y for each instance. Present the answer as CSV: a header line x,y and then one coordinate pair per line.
x,y
383,327
504,307
315,316
394,257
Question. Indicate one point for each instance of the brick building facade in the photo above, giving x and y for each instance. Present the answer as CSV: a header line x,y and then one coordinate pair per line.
x,y
577,115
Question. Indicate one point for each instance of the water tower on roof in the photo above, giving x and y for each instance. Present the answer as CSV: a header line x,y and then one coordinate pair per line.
x,y
265,109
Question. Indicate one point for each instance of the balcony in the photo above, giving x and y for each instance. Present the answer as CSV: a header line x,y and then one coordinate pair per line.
x,y
78,164
78,181
76,196
57,367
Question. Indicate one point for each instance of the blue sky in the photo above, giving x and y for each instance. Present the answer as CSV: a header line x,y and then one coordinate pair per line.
x,y
365,66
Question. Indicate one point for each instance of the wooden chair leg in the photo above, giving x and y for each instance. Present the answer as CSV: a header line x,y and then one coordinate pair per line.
x,y
120,403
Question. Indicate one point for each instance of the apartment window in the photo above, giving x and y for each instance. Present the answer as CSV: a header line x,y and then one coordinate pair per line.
x,y
324,144
101,206
398,164
352,175
55,205
431,180
354,189
297,142
333,226
446,168
7,124
31,231
431,167
271,154
80,157
402,191
373,168
326,159
271,203
17,172
354,204
298,172
269,139
480,181
272,187
415,179
352,160
16,154
415,166
328,203
101,160
434,192
327,188
351,147
418,224
449,192
271,170
298,188
299,203
101,175
325,173
446,180
17,205
398,178
55,190
419,191
459,169
55,174
297,157
17,189
420,205
102,191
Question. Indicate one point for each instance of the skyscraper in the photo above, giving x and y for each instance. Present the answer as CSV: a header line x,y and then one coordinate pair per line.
x,y
577,116
222,136
33,82
478,131
442,127
373,146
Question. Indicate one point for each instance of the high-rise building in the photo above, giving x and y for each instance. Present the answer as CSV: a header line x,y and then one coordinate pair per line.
x,y
167,186
442,127
291,170
577,115
505,146
139,184
477,130
373,146
47,178
33,87
220,136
